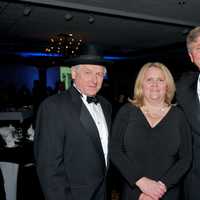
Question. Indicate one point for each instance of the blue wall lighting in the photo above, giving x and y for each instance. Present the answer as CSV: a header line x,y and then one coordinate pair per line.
x,y
38,54
113,58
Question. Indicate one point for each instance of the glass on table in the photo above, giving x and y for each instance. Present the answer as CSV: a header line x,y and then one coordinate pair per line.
x,y
18,134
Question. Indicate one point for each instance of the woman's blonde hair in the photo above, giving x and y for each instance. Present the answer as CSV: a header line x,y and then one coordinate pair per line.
x,y
138,93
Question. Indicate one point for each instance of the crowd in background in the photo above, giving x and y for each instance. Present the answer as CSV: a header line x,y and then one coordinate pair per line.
x,y
13,98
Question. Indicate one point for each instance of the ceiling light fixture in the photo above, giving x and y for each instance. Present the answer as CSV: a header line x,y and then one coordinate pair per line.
x,y
27,11
182,2
67,44
91,19
68,17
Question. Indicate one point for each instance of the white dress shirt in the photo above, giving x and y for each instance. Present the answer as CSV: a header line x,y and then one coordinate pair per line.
x,y
99,119
198,87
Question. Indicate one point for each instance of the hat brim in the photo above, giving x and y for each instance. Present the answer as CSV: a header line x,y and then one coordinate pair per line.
x,y
95,60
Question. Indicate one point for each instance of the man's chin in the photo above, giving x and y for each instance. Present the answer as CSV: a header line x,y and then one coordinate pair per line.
x,y
91,93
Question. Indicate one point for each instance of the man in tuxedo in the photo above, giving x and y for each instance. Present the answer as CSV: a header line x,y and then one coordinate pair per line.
x,y
71,141
188,96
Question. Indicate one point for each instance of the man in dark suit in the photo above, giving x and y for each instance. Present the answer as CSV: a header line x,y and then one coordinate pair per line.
x,y
188,96
71,141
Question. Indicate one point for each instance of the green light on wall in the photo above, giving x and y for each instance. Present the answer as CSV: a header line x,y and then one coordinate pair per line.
x,y
65,76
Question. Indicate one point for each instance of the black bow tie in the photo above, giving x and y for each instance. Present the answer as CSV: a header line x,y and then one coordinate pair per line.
x,y
92,99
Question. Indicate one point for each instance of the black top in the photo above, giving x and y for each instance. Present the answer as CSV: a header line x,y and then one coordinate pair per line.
x,y
160,153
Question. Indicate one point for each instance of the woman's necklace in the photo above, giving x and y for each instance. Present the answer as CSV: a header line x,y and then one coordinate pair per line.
x,y
154,116
156,113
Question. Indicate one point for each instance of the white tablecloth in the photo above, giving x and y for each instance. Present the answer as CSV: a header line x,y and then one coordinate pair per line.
x,y
16,115
10,173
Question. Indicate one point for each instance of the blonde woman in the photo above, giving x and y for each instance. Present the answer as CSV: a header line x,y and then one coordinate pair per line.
x,y
151,143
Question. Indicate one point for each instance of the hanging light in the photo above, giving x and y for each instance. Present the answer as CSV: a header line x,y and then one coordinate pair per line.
x,y
67,44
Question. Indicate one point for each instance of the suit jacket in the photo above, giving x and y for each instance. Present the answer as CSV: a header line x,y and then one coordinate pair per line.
x,y
188,99
68,152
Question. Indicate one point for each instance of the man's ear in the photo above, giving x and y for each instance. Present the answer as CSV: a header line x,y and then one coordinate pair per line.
x,y
73,71
191,57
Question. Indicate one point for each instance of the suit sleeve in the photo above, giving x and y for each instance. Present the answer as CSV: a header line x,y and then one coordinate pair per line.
x,y
180,167
128,168
48,150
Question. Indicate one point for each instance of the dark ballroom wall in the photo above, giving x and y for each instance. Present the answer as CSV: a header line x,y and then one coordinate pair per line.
x,y
20,75
121,74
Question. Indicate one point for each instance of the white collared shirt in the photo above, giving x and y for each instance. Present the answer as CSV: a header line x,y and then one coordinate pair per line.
x,y
99,119
198,87
98,116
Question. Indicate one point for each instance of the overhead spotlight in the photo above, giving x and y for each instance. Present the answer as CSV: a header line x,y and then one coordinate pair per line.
x,y
91,19
27,11
182,2
68,17
185,31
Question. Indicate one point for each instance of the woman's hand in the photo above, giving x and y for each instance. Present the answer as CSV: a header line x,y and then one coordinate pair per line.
x,y
151,188
143,196
162,184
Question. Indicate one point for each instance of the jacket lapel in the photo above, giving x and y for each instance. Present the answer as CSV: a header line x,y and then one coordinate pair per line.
x,y
191,102
107,115
91,130
194,105
88,123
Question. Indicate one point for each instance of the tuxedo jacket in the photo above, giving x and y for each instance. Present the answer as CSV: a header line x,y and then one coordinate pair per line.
x,y
187,98
69,157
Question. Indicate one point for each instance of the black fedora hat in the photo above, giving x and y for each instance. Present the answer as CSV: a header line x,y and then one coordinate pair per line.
x,y
88,54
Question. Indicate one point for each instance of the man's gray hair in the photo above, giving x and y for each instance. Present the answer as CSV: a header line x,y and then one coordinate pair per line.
x,y
78,66
192,37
